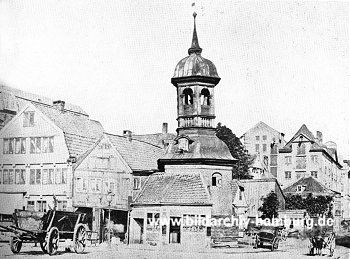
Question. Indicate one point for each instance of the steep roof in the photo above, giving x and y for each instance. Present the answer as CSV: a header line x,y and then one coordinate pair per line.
x,y
174,189
80,131
261,125
139,155
311,185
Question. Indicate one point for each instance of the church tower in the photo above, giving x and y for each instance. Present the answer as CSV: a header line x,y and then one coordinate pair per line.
x,y
196,147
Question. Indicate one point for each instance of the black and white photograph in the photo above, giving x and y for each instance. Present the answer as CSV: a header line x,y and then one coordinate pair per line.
x,y
176,129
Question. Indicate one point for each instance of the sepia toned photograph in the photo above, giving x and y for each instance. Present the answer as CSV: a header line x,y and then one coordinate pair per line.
x,y
174,129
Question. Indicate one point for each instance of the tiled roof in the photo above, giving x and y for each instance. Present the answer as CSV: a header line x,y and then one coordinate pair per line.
x,y
262,125
80,132
202,147
310,185
158,139
174,189
139,155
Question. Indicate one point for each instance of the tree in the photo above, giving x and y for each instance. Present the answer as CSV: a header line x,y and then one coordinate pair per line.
x,y
314,205
269,208
240,169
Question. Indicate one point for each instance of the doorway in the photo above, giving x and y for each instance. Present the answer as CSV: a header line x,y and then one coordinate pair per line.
x,y
175,230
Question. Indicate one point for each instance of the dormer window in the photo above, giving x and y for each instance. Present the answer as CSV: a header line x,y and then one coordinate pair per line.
x,y
183,144
28,119
205,97
299,188
188,96
301,149
216,179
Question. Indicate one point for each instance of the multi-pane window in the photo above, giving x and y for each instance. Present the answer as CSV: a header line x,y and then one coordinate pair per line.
x,y
256,147
28,119
14,146
41,206
264,137
41,145
288,160
264,147
300,175
314,174
301,149
314,159
137,183
95,185
11,176
287,174
301,162
108,186
299,188
257,138
216,179
20,176
62,205
6,176
35,176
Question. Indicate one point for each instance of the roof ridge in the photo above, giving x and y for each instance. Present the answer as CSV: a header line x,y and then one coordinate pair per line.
x,y
138,140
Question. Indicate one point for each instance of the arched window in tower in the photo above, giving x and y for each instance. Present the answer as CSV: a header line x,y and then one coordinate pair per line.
x,y
188,96
205,97
216,179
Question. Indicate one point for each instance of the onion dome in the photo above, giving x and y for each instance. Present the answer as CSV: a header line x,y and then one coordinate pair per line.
x,y
195,64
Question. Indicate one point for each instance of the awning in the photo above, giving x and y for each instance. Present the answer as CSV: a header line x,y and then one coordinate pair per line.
x,y
10,202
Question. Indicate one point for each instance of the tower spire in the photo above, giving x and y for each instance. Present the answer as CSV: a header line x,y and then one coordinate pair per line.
x,y
195,45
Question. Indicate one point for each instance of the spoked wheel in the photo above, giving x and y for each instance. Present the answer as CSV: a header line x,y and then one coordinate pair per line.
x,y
79,238
43,246
15,245
53,239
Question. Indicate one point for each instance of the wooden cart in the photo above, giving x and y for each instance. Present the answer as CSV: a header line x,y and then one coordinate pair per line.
x,y
47,229
268,235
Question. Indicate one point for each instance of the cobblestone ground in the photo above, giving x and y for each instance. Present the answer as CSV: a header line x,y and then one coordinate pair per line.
x,y
291,248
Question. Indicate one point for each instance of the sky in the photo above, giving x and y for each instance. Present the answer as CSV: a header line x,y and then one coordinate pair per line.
x,y
282,62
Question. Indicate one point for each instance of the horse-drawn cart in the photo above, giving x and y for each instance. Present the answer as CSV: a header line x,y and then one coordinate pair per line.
x,y
321,238
47,229
268,235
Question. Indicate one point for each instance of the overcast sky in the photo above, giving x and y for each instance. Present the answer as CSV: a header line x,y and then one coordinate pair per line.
x,y
284,63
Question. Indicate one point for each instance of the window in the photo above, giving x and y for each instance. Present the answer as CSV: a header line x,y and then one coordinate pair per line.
x,y
28,120
216,179
1,179
299,188
14,146
58,176
108,186
273,148
183,144
20,176
314,159
153,219
38,176
257,148
273,160
288,160
301,149
11,176
6,176
205,97
257,138
6,146
41,145
51,176
95,185
264,147
137,183
64,176
240,195
288,175
41,206
32,176
30,205
264,137
188,96
314,174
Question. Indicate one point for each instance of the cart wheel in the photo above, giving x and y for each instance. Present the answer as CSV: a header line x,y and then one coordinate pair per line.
x,y
15,245
274,244
79,238
52,241
43,246
256,244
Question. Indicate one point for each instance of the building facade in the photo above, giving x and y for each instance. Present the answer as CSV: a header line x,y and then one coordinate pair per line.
x,y
264,142
38,147
116,166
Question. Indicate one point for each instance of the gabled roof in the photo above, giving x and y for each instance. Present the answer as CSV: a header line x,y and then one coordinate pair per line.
x,y
157,139
262,125
311,185
302,131
80,131
235,186
139,155
174,189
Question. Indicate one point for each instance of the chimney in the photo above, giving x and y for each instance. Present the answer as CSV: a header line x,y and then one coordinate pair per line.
x,y
165,128
59,105
319,136
127,134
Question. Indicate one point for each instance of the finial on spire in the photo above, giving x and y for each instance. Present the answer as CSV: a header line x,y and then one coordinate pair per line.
x,y
195,45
